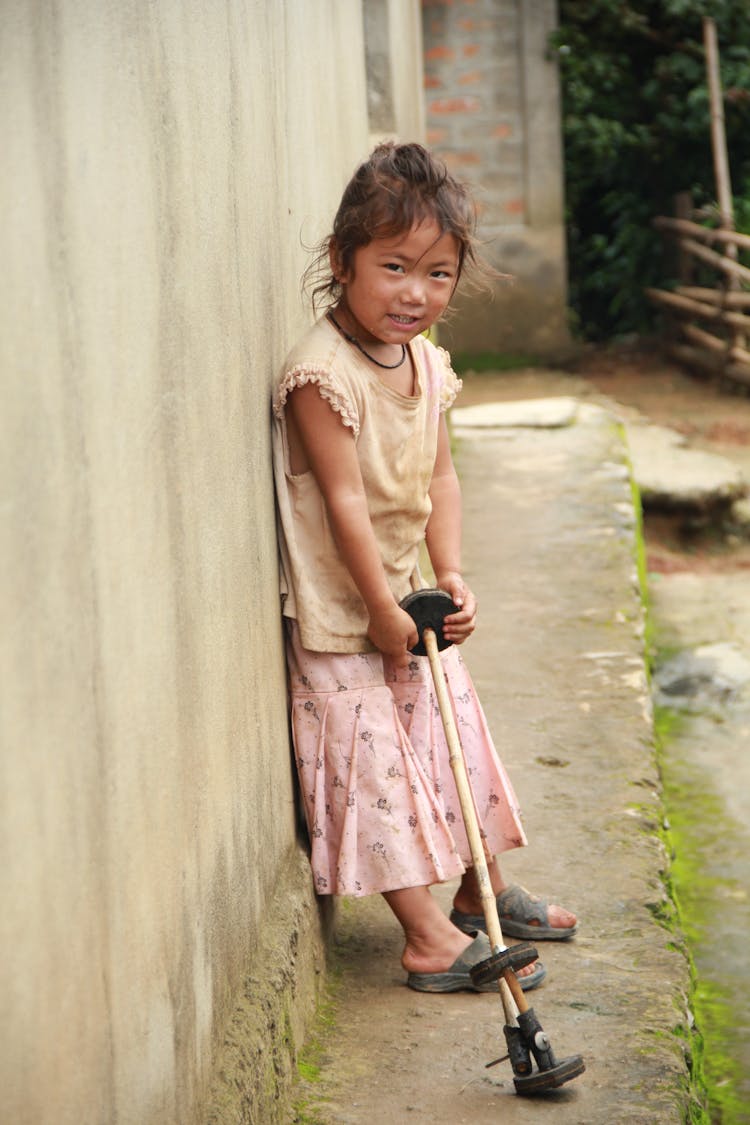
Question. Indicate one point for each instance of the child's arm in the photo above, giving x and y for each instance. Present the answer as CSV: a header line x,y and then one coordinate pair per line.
x,y
329,449
443,538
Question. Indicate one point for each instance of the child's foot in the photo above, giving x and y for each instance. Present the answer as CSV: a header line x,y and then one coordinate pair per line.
x,y
440,956
522,915
457,977
436,953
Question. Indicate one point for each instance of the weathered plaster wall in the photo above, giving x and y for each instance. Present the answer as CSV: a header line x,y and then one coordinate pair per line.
x,y
393,50
163,164
493,114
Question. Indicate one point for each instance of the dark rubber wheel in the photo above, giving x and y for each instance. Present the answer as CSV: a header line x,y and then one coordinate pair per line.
x,y
541,1081
428,609
492,968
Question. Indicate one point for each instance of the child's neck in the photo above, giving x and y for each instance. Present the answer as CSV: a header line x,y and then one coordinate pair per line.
x,y
388,356
392,362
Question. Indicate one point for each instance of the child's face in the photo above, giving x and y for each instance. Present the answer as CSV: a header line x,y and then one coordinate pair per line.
x,y
399,286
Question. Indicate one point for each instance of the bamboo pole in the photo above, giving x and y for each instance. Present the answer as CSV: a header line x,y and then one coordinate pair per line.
x,y
720,261
738,372
707,234
740,354
705,339
718,133
737,300
683,208
715,344
709,362
719,147
689,305
700,359
511,993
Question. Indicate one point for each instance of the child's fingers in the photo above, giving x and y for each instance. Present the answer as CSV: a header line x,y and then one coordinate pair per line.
x,y
458,590
468,610
458,626
394,635
458,633
462,596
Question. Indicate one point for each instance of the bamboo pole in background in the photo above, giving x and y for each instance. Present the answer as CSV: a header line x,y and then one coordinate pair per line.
x,y
719,147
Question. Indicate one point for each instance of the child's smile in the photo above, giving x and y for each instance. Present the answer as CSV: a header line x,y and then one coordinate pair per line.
x,y
398,287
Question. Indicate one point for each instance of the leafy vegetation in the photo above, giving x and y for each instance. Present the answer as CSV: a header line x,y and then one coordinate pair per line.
x,y
636,129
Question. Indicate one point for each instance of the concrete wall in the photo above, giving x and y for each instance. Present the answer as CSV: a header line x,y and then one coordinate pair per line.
x,y
493,113
393,49
163,164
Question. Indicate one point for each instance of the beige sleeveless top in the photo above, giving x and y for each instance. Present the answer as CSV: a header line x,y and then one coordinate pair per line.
x,y
396,439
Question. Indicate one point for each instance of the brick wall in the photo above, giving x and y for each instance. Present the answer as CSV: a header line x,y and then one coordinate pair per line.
x,y
492,113
473,97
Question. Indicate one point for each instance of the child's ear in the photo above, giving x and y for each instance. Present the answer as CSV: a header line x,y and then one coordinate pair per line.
x,y
337,265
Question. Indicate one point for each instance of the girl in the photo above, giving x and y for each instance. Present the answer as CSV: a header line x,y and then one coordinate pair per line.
x,y
363,475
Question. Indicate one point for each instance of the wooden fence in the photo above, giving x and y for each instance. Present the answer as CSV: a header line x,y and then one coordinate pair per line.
x,y
725,306
720,348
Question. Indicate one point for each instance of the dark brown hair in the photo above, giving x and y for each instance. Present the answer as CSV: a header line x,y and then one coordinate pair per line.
x,y
396,188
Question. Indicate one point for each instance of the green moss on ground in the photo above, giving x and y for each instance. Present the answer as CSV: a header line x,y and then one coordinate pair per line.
x,y
307,1102
685,1033
700,828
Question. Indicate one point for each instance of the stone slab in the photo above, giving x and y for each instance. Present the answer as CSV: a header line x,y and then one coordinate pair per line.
x,y
669,473
544,413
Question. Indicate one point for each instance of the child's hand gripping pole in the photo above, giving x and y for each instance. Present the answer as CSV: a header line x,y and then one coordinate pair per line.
x,y
524,1035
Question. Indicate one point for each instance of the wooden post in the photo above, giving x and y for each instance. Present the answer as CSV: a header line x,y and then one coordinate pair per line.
x,y
719,146
683,209
718,135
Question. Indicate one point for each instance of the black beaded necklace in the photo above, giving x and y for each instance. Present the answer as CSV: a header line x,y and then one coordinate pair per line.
x,y
353,340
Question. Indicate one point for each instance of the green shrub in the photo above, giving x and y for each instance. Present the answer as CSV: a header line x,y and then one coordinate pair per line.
x,y
636,129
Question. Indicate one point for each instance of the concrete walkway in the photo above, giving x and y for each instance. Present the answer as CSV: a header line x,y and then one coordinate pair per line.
x,y
558,660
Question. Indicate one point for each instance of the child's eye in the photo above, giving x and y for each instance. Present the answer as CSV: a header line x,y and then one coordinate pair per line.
x,y
441,274
395,267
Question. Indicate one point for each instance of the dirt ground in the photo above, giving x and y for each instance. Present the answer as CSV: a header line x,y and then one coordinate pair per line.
x,y
638,382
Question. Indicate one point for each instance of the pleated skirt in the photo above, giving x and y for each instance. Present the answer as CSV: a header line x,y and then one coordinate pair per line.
x,y
377,787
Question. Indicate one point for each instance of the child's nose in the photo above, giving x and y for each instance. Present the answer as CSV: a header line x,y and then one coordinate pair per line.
x,y
415,288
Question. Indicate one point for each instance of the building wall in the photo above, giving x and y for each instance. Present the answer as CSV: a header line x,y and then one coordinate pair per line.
x,y
493,114
164,166
393,49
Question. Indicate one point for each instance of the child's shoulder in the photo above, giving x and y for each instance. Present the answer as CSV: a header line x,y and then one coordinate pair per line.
x,y
436,362
319,357
432,353
320,344
321,352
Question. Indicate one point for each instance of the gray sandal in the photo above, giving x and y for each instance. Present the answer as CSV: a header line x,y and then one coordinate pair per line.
x,y
522,915
458,977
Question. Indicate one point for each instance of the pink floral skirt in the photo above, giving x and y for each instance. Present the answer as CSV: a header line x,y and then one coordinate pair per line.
x,y
378,791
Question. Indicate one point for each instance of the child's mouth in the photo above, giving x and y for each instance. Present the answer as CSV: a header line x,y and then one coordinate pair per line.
x,y
405,320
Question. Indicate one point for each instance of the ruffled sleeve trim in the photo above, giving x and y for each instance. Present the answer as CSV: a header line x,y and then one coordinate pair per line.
x,y
451,382
329,388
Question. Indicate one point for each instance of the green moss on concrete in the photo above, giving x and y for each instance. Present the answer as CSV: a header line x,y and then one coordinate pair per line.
x,y
255,1065
683,1039
307,1102
640,548
685,1036
685,1033
699,825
